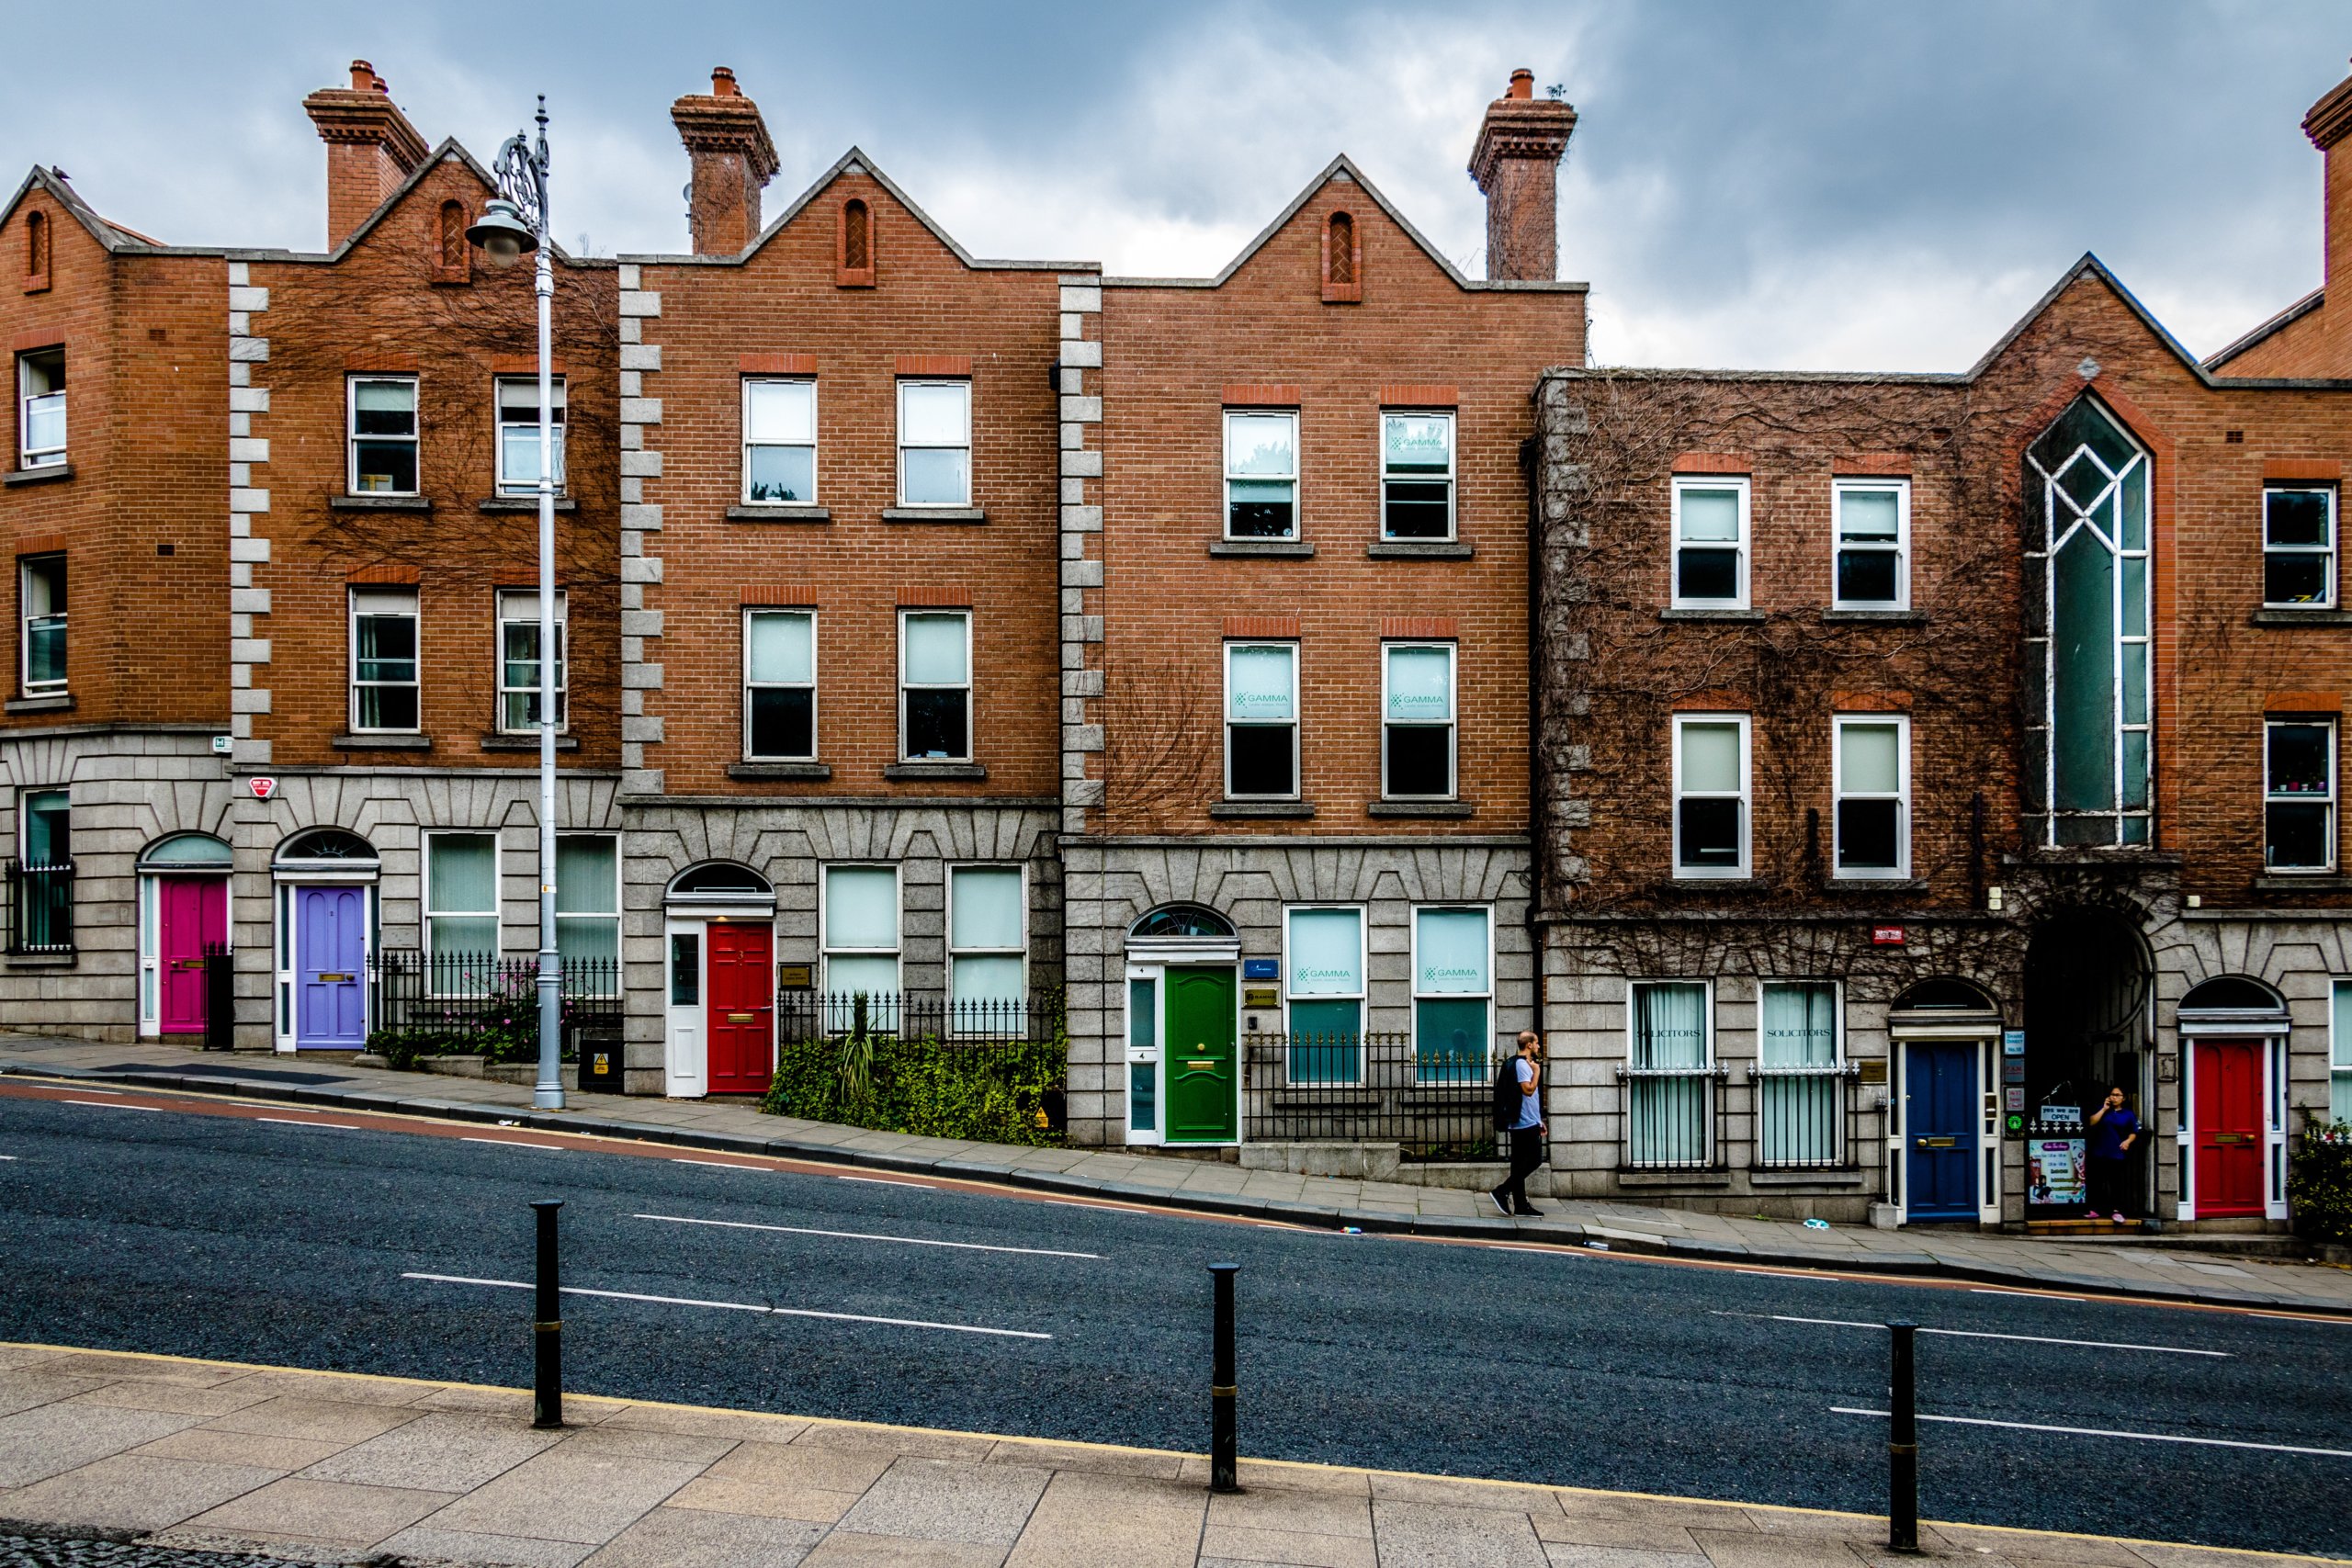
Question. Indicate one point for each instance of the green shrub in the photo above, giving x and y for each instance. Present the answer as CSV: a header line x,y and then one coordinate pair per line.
x,y
988,1093
2319,1182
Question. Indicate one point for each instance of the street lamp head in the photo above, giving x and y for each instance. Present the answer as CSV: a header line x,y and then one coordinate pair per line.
x,y
501,233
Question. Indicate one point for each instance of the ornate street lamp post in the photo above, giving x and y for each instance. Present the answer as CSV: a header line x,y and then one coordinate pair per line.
x,y
514,224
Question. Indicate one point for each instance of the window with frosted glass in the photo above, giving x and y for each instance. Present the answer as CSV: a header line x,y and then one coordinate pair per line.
x,y
1323,974
2299,547
40,409
384,694
461,910
1800,1096
1143,1056
780,684
1669,1094
2298,795
518,663
40,624
935,686
779,443
1710,797
935,444
987,962
2087,739
383,434
1874,527
1711,543
861,932
1417,720
1262,720
588,912
1874,777
1452,995
2339,1058
518,434
1417,476
1260,475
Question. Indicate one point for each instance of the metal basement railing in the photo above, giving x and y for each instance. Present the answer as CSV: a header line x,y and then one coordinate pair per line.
x,y
455,1000
802,1015
1371,1087
40,908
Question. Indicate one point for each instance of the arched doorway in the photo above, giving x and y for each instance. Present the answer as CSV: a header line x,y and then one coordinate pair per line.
x,y
2086,1026
720,920
1944,1135
1183,1017
2234,1106
183,914
326,939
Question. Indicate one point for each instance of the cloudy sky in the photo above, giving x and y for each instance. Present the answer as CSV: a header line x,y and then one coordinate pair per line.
x,y
1802,184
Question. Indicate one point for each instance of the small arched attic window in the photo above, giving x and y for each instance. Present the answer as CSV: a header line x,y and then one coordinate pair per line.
x,y
854,249
453,257
1342,260
36,251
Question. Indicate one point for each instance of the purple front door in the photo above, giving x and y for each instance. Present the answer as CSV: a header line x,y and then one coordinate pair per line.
x,y
330,962
193,915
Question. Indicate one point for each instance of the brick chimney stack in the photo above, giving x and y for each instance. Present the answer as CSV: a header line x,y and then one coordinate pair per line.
x,y
371,148
2329,125
733,159
1517,164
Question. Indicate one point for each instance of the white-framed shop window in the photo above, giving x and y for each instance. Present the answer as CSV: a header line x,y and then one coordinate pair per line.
x,y
1872,782
858,935
588,912
385,691
383,434
935,685
461,912
2298,795
1453,992
1262,720
2298,547
935,444
779,442
518,433
1261,473
1711,804
1669,1087
1800,1094
988,948
1710,544
1323,974
780,685
1417,714
1416,474
1873,565
518,662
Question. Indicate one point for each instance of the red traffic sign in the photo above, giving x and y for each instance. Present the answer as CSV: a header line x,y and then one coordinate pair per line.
x,y
1886,936
263,788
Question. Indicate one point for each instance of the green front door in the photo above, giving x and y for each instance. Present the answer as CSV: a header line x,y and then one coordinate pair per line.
x,y
1202,1085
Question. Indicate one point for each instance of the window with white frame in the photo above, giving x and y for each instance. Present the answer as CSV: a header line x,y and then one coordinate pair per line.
x,y
779,442
1417,733
780,685
518,663
518,433
988,951
1711,794
383,434
1416,476
1872,825
935,685
2298,795
588,912
1143,1057
1323,968
2339,1054
1800,1096
1260,474
44,892
859,933
461,910
1262,720
1874,544
935,444
1711,543
1669,1085
40,409
40,624
2298,547
384,689
1453,992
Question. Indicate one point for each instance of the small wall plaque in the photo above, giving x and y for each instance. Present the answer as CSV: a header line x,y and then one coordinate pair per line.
x,y
795,977
1886,936
1259,996
1262,969
1871,1071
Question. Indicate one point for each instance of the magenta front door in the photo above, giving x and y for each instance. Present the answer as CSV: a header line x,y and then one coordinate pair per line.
x,y
191,914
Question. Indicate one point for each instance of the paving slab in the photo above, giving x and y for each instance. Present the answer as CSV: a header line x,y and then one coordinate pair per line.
x,y
334,1512
131,1491
1134,1520
1437,1535
441,1452
53,1438
684,1538
983,1505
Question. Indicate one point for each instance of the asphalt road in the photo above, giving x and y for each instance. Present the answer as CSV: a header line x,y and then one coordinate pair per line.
x,y
260,1240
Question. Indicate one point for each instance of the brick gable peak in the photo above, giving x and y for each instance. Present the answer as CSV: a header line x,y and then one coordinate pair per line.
x,y
111,235
2095,270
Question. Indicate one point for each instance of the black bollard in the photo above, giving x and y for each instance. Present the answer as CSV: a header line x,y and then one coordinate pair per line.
x,y
1224,1440
547,1327
1902,1443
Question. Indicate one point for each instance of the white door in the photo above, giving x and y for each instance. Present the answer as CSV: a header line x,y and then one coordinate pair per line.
x,y
685,1051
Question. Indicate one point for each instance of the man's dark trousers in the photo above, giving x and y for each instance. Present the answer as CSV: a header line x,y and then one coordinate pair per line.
x,y
1526,1153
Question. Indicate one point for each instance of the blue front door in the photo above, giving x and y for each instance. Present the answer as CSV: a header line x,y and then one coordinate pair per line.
x,y
1940,1130
331,968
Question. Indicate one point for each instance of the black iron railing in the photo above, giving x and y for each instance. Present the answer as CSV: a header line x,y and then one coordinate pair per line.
x,y
1368,1087
489,1003
40,909
916,1015
1802,1116
1670,1118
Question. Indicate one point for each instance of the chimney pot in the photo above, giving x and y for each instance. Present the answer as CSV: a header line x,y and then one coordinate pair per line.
x,y
372,147
1517,165
383,86
363,76
1523,83
722,83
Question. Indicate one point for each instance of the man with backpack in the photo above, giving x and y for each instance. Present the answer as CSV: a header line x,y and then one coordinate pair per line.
x,y
1518,1110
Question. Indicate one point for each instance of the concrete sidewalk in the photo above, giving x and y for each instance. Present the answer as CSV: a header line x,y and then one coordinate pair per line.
x,y
2145,1268
331,1467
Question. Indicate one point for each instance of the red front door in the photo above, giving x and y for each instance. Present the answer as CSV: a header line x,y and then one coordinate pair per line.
x,y
192,913
739,1005
2229,1127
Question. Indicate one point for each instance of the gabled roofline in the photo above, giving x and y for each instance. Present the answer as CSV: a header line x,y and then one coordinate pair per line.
x,y
1344,167
2275,325
855,161
449,147
115,239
